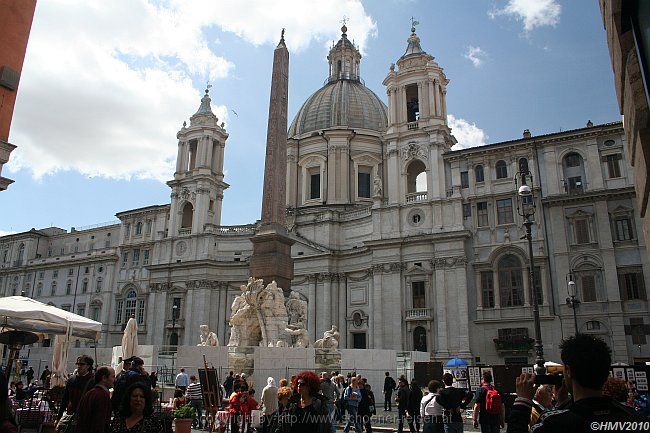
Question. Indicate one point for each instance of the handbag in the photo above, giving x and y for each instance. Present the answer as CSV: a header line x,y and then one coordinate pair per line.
x,y
67,423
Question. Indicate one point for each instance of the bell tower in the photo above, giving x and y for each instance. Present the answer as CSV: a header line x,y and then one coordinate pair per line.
x,y
417,133
197,187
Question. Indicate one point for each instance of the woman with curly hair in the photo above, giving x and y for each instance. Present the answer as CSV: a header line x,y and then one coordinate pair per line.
x,y
136,412
306,410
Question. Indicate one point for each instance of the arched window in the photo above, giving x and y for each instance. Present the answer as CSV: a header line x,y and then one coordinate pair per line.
x,y
511,286
574,173
130,306
98,285
188,214
479,175
131,300
501,169
420,339
53,288
416,177
21,253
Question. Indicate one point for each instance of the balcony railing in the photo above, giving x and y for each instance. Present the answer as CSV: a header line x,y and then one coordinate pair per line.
x,y
416,196
519,345
419,314
412,125
184,231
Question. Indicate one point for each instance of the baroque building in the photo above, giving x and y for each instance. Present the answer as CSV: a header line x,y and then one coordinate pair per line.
x,y
399,241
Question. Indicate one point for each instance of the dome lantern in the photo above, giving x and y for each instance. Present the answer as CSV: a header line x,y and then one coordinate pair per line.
x,y
344,59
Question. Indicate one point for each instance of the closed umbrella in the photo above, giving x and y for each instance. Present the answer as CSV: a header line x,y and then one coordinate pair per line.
x,y
59,360
129,341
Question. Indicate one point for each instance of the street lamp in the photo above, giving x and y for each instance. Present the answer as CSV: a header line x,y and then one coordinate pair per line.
x,y
526,209
572,301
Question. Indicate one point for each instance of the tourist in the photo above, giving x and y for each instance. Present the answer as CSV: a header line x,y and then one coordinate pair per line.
x,y
402,400
280,422
490,418
413,406
389,387
366,406
153,378
431,412
330,393
30,375
284,382
269,403
453,400
587,360
182,380
126,366
136,412
228,383
179,398
94,413
75,388
249,407
21,392
340,402
127,378
236,406
542,402
7,421
352,397
45,376
307,410
195,399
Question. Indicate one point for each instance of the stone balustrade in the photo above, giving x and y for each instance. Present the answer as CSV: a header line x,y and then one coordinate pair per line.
x,y
416,196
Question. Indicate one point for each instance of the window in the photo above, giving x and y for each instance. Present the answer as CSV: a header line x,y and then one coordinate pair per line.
x,y
573,160
467,210
501,169
412,103
68,287
94,313
510,282
81,310
127,229
65,307
87,270
41,275
623,228
21,254
359,340
53,288
588,283
55,274
39,289
129,310
107,243
314,185
49,252
145,257
70,272
637,330
136,257
487,289
118,312
613,165
138,228
504,211
513,334
593,325
419,299
478,173
98,285
481,214
464,179
631,285
140,316
84,285
125,258
581,231
149,221
363,178
574,185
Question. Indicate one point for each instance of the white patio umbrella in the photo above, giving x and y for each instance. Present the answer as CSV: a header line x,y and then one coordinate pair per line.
x,y
59,360
129,341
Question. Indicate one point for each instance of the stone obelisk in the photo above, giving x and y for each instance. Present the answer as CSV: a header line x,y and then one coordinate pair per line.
x,y
271,259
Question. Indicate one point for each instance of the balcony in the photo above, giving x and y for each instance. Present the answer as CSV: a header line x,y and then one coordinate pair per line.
x,y
513,346
412,126
185,231
413,197
419,314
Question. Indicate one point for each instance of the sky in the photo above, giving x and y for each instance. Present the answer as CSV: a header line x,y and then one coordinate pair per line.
x,y
107,85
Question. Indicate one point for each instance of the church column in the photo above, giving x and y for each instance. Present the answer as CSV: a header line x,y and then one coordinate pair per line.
x,y
209,145
334,310
311,307
326,316
179,158
442,349
436,96
423,88
217,207
463,310
443,104
376,337
344,161
479,290
389,96
343,308
394,106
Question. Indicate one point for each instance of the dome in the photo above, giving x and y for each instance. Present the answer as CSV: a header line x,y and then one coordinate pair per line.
x,y
340,102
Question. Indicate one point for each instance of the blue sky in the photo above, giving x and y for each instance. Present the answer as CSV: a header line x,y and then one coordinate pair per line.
x,y
106,85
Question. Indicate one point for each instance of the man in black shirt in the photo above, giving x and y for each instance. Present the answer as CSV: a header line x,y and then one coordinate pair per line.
x,y
453,400
586,360
402,400
389,387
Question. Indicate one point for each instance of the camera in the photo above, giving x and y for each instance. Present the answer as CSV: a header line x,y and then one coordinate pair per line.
x,y
549,379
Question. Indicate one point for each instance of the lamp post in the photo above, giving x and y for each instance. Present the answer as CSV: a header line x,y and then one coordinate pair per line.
x,y
526,209
572,301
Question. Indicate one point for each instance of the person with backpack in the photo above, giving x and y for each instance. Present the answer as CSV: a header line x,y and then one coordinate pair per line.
x,y
431,412
489,411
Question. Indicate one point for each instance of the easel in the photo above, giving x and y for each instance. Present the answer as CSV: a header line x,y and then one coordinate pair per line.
x,y
212,398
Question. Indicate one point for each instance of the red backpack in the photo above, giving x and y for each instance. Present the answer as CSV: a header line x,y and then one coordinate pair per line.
x,y
492,400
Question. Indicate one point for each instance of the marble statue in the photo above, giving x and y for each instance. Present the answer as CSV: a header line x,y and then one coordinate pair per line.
x,y
330,339
300,335
377,190
208,338
241,321
297,311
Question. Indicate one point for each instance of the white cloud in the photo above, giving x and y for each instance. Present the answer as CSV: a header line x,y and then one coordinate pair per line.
x,y
106,85
533,13
476,55
467,134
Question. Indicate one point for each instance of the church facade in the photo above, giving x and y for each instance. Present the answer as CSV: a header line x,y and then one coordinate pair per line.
x,y
399,241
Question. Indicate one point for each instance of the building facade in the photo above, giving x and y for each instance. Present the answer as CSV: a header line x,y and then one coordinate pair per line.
x,y
399,241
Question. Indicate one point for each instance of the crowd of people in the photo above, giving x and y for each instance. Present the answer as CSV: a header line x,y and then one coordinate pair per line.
x,y
96,400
